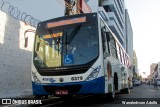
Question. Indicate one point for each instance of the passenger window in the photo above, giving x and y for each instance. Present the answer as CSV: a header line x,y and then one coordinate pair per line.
x,y
113,46
104,40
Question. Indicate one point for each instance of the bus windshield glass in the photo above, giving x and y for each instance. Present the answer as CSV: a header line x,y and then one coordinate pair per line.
x,y
67,46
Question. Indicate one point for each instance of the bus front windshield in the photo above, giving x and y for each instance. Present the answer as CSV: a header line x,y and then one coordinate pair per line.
x,y
66,47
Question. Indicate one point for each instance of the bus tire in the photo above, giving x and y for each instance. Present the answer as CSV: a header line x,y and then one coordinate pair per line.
x,y
127,90
37,96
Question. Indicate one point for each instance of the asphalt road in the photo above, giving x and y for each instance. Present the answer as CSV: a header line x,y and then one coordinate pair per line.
x,y
141,96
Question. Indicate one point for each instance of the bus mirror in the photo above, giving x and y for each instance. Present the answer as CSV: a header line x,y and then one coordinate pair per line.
x,y
38,45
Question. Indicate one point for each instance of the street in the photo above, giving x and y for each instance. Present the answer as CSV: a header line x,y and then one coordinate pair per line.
x,y
140,93
137,97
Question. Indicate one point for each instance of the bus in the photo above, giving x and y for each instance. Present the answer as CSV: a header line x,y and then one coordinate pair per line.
x,y
78,55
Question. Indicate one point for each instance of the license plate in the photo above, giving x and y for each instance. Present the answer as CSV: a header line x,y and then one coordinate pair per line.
x,y
61,92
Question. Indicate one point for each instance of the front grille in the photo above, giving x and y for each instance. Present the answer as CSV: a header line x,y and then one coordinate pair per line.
x,y
70,88
65,71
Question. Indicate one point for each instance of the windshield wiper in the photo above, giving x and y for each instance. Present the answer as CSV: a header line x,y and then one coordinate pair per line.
x,y
72,35
50,33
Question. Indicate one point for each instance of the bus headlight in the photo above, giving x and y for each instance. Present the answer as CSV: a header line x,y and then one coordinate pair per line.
x,y
35,78
94,73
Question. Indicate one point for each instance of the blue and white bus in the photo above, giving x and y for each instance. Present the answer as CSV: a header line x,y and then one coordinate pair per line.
x,y
78,55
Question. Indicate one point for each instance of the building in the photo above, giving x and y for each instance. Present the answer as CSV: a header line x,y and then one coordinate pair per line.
x,y
118,20
135,65
15,63
135,62
149,78
155,73
152,67
116,13
129,36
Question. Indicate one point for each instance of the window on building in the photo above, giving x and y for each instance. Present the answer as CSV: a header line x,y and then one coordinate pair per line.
x,y
107,8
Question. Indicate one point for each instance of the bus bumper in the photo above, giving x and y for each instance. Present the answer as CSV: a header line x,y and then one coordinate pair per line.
x,y
96,86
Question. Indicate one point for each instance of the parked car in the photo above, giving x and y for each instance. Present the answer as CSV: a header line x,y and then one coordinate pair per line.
x,y
136,83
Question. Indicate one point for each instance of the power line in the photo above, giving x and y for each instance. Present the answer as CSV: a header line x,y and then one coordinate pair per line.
x,y
17,14
78,8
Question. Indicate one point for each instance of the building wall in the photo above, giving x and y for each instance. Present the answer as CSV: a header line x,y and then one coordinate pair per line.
x,y
116,12
135,62
158,70
155,70
152,67
15,59
119,22
129,36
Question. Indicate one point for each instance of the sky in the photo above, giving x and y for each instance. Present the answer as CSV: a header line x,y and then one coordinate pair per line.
x,y
144,16
145,20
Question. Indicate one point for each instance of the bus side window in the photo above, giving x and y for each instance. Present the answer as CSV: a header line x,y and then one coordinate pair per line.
x,y
122,58
107,41
113,46
104,40
103,43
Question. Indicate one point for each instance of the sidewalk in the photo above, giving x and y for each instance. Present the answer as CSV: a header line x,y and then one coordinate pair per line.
x,y
17,94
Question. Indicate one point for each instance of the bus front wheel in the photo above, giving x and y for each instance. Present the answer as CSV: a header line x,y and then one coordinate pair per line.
x,y
37,96
66,98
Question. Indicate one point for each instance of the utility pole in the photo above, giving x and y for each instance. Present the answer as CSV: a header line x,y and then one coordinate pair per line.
x,y
76,7
69,4
67,7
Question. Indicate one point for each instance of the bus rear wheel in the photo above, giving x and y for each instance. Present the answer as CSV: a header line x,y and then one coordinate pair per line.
x,y
37,96
66,98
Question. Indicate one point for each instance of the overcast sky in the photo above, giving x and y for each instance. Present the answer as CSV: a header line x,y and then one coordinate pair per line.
x,y
39,9
144,16
145,19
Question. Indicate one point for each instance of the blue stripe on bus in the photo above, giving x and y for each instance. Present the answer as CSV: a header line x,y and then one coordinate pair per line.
x,y
96,86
